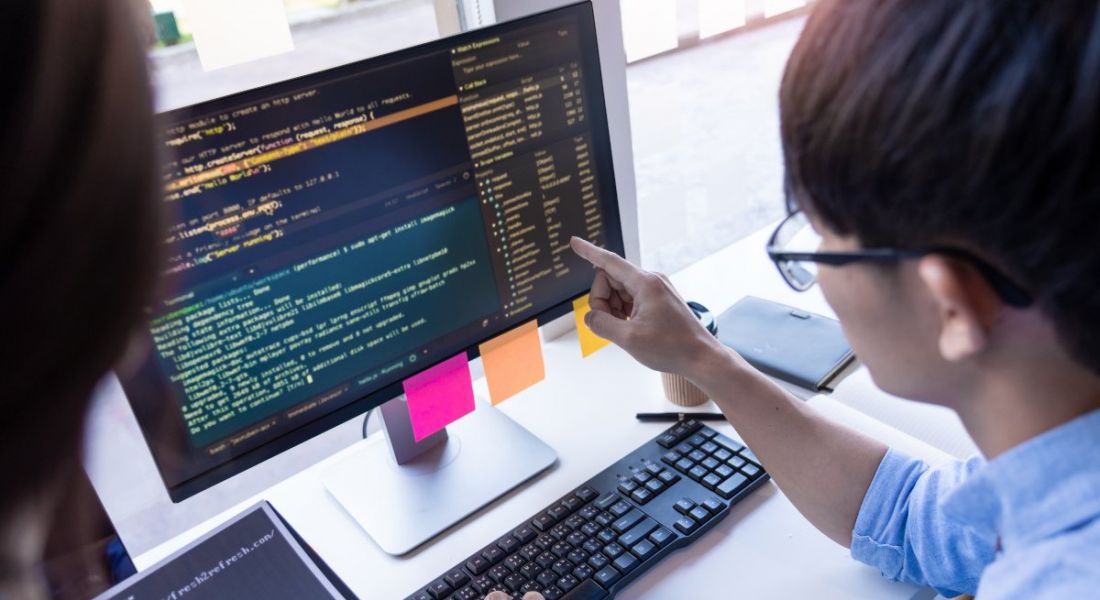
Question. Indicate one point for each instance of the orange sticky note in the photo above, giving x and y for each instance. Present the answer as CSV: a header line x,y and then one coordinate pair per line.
x,y
513,361
590,342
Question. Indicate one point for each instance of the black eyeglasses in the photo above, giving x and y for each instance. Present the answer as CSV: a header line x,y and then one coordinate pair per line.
x,y
799,267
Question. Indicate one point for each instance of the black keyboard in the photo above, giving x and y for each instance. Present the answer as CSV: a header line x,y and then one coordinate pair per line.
x,y
619,524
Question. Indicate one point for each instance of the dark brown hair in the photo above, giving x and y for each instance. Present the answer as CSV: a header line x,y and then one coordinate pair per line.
x,y
976,124
79,227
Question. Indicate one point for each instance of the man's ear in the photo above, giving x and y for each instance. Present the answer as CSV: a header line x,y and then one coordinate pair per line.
x,y
966,304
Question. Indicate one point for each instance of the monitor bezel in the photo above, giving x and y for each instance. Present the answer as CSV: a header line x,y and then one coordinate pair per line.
x,y
149,416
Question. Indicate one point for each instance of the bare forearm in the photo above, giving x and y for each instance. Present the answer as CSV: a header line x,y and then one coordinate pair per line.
x,y
823,467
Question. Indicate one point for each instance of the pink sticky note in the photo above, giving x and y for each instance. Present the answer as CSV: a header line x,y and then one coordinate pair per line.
x,y
439,396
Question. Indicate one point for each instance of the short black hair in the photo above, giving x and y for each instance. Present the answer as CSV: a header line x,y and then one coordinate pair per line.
x,y
976,124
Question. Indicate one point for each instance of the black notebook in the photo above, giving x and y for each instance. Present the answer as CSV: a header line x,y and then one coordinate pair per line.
x,y
804,348
255,555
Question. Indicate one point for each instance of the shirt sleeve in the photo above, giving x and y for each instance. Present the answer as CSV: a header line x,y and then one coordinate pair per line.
x,y
902,531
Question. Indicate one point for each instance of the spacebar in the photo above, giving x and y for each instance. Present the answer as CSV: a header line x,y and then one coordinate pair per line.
x,y
588,590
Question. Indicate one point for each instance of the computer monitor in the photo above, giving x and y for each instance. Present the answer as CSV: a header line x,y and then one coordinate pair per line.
x,y
333,234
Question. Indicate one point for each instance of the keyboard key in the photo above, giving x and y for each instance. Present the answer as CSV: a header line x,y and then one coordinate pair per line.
x,y
661,536
723,454
697,440
545,559
710,462
686,525
709,447
466,593
577,556
642,476
559,531
457,578
607,501
736,462
613,550
530,586
598,561
482,584
713,505
700,514
498,573
525,534
515,581
644,549
708,433
683,448
573,503
697,455
587,494
583,571
730,486
711,480
653,468
628,486
749,454
551,593
591,528
654,485
666,440
439,589
684,506
671,457
478,565
750,470
560,549
668,477
638,532
628,520
641,495
625,563
619,509
576,539
604,519
547,577
562,567
508,544
592,546
558,511
606,536
684,464
567,583
513,562
420,596
574,522
543,522
732,445
530,570
589,512
607,576
724,471
697,473
546,540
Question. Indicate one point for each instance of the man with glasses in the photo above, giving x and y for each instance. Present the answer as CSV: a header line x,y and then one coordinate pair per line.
x,y
943,178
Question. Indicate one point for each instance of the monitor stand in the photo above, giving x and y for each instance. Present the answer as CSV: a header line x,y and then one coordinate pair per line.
x,y
404,493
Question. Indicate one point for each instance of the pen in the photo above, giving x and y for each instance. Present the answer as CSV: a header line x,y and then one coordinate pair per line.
x,y
683,416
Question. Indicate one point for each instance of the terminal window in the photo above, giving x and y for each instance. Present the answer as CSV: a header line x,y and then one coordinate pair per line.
x,y
333,236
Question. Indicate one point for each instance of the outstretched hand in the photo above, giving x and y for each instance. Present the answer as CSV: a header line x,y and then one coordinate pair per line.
x,y
642,313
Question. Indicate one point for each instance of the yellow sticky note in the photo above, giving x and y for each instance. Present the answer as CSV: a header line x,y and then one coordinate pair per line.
x,y
513,361
590,342
231,32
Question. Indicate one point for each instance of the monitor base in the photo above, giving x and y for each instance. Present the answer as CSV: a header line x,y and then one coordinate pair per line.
x,y
402,506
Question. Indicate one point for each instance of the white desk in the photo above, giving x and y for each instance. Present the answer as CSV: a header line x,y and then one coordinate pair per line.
x,y
584,410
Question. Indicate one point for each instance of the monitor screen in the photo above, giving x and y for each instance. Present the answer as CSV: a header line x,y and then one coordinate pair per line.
x,y
331,235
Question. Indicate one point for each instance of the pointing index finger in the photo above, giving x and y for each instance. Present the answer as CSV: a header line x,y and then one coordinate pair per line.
x,y
614,265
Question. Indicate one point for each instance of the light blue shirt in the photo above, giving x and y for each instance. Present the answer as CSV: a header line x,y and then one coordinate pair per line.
x,y
1023,525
